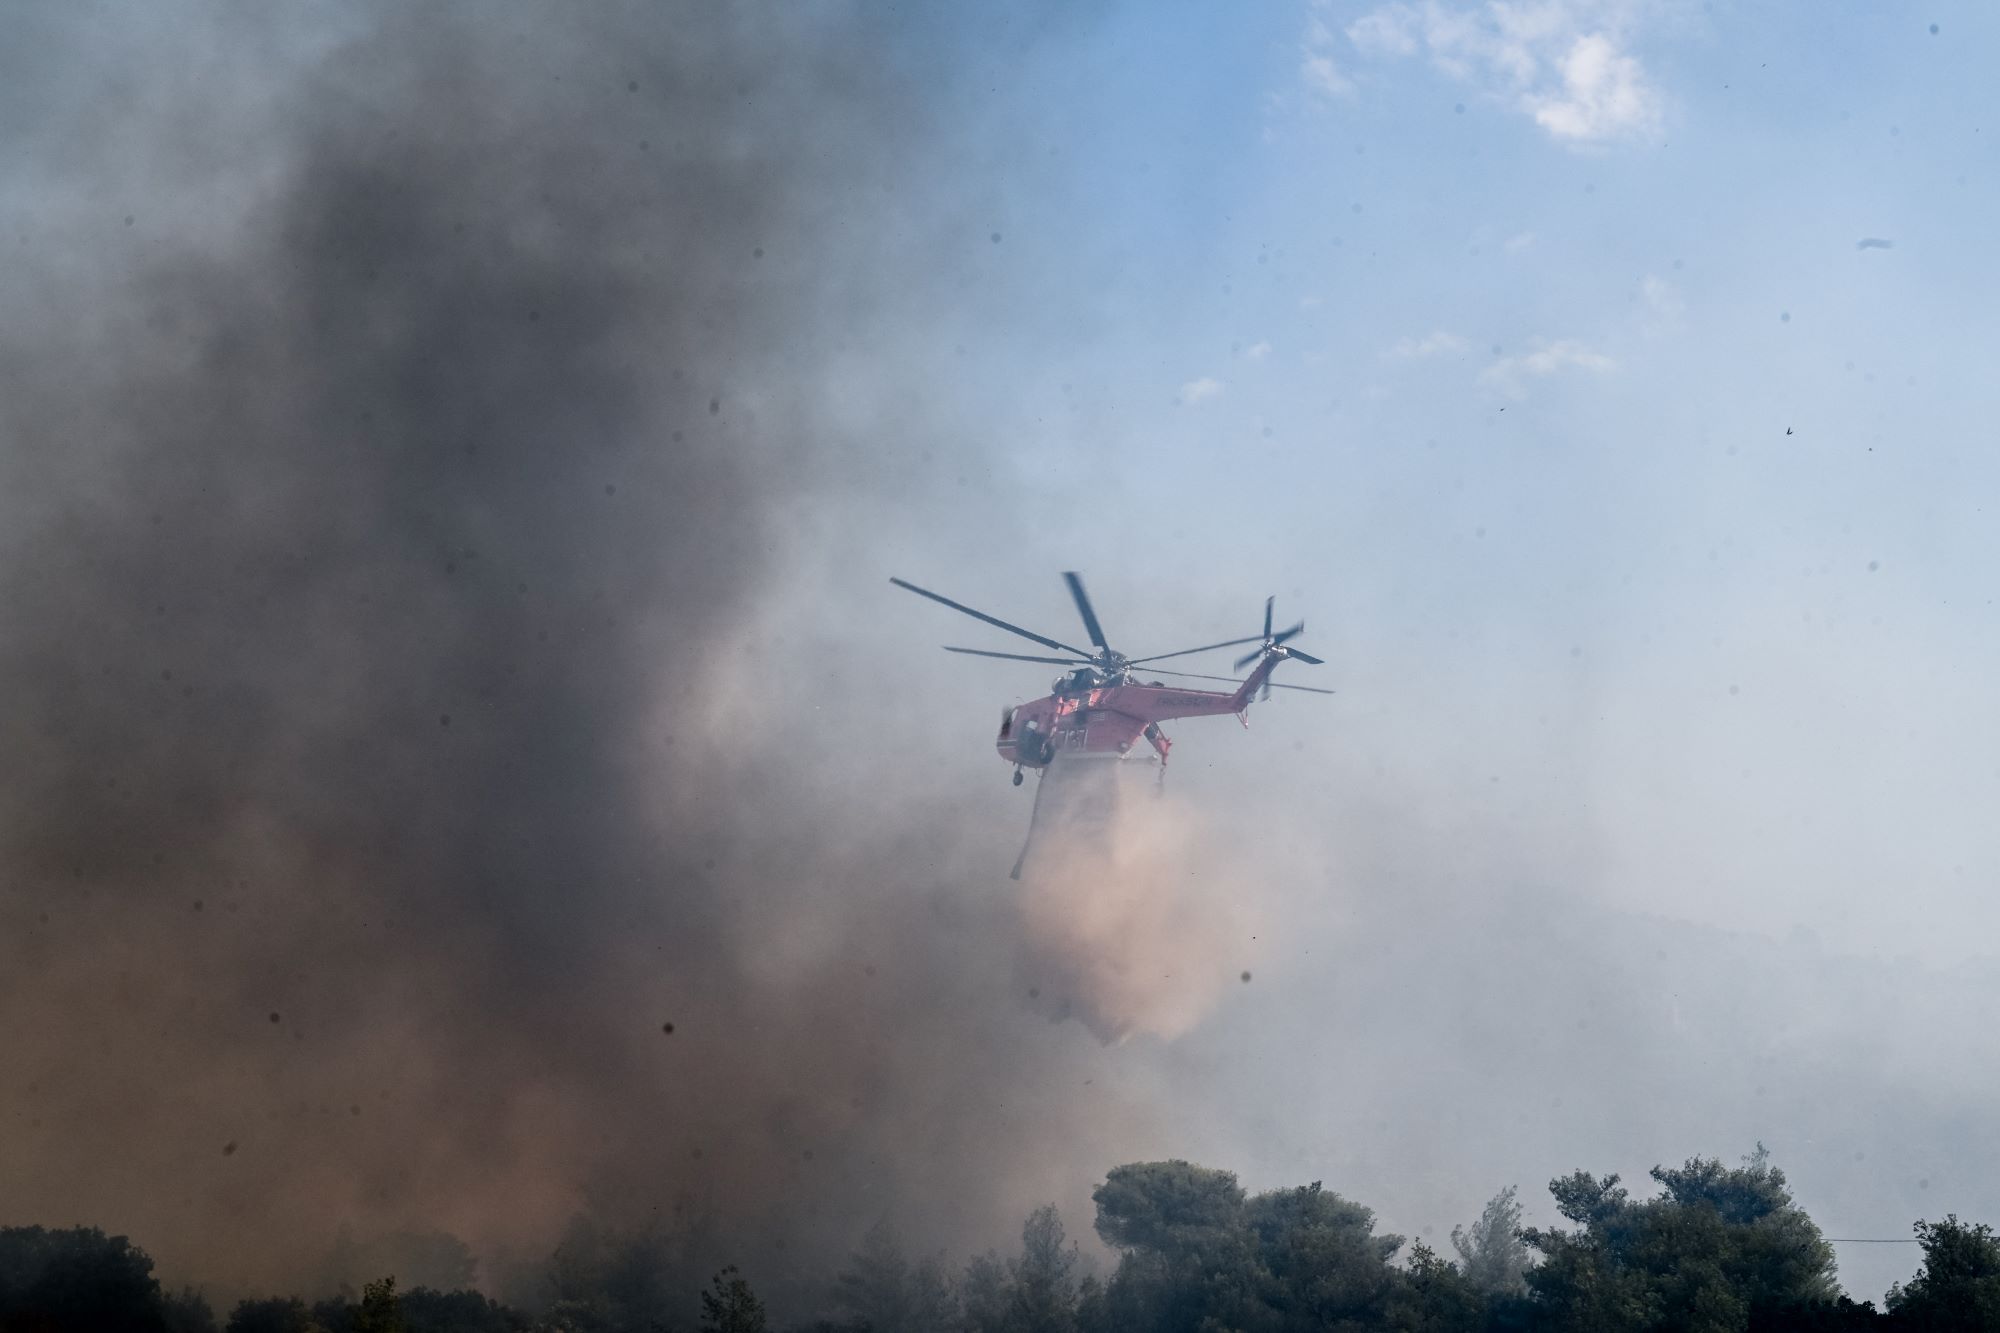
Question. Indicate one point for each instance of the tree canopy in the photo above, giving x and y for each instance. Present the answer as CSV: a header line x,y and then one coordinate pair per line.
x,y
1718,1247
1958,1287
1713,1249
79,1278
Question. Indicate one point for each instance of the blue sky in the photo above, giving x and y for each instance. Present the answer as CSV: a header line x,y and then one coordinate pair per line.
x,y
1476,331
1645,517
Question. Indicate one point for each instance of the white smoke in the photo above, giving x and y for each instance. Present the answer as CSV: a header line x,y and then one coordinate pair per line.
x,y
1130,910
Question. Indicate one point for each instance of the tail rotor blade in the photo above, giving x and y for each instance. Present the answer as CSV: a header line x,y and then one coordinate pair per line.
x,y
1297,656
1275,639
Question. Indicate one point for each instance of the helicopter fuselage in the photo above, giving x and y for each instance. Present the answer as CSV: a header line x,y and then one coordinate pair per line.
x,y
1096,709
1104,715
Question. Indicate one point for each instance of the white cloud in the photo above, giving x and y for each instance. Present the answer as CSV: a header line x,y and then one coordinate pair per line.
x,y
1323,76
1520,241
1431,344
1604,96
1510,373
1316,52
1198,391
1565,63
1256,351
1664,306
1393,30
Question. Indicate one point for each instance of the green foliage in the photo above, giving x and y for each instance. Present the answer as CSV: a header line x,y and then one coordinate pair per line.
x,y
1037,1292
275,1315
1434,1297
986,1295
380,1310
1043,1299
933,1301
874,1289
1199,1256
882,1291
77,1279
1167,1208
573,1316
730,1306
1186,1257
428,1311
1718,1247
1491,1253
1093,1314
604,1281
1839,1315
1317,1261
55,1281
187,1311
333,1316
1959,1285
1715,1250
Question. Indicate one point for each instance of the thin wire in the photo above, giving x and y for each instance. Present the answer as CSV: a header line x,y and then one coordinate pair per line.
x,y
1869,1240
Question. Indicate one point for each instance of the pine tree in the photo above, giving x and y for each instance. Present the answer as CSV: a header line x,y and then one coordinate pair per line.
x,y
379,1311
1492,1255
1044,1294
730,1306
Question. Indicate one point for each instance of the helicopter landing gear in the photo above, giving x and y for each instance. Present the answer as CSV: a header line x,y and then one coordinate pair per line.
x,y
1017,777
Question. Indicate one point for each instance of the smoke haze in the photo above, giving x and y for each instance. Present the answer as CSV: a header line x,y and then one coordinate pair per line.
x,y
467,769
400,829
1133,915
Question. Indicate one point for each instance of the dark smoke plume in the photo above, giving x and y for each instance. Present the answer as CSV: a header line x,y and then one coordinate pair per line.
x,y
399,830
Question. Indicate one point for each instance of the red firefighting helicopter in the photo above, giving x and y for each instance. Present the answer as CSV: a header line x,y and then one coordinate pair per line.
x,y
1098,710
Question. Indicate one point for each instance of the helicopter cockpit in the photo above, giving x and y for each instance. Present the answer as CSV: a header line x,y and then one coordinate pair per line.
x,y
1080,681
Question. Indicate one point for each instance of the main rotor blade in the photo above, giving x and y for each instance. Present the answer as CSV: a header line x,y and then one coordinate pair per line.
x,y
1207,647
1196,675
1090,625
991,620
1020,657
